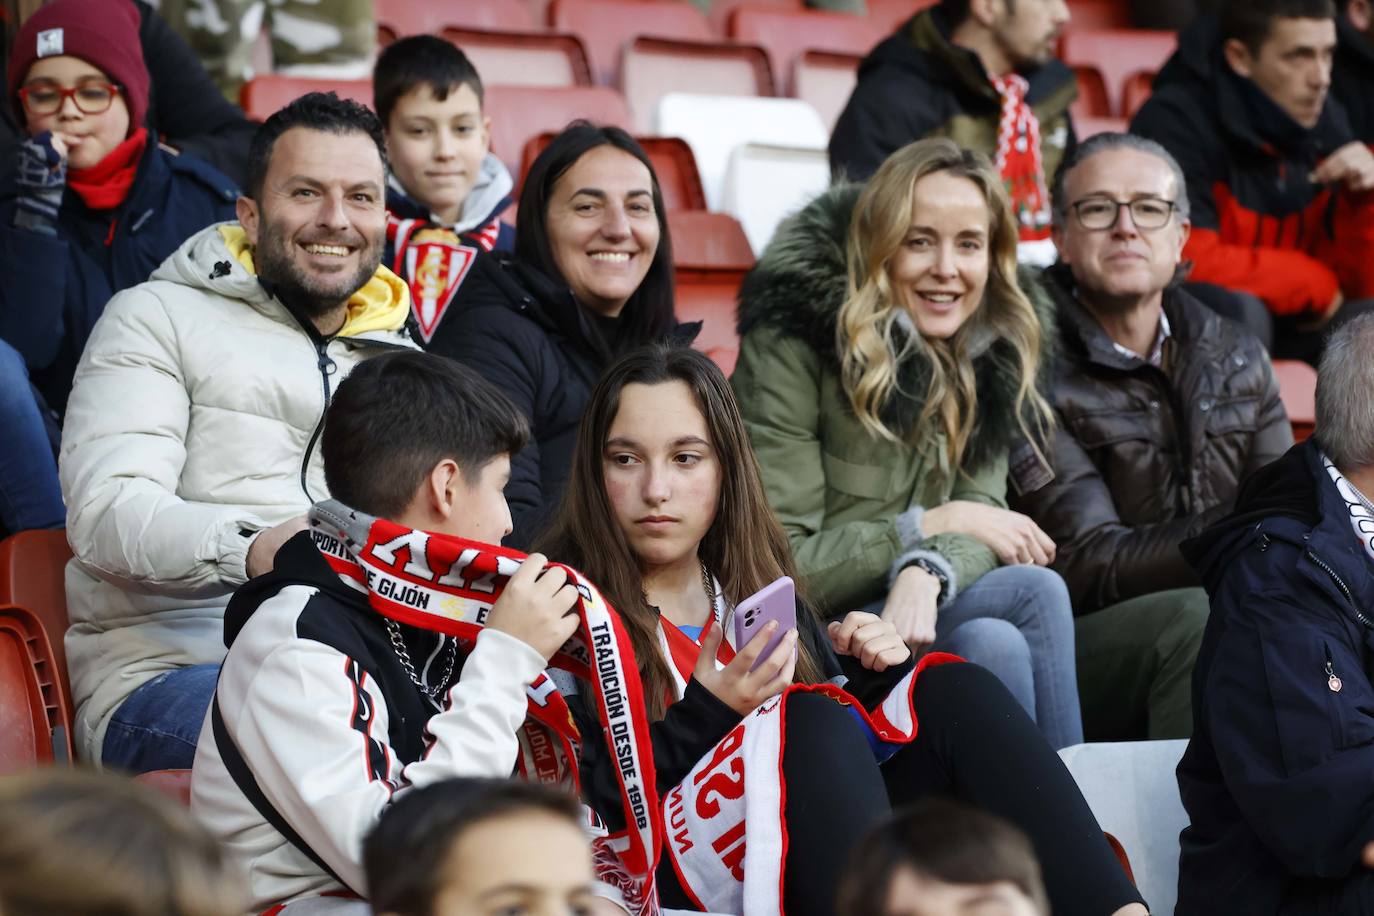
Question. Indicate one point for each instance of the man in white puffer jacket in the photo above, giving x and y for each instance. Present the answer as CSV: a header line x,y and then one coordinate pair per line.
x,y
191,444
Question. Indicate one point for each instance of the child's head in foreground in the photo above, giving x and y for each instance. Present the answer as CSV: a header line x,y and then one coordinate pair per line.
x,y
429,98
81,843
423,441
939,858
479,847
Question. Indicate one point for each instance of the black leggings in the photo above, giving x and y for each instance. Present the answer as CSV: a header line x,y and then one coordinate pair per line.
x,y
975,744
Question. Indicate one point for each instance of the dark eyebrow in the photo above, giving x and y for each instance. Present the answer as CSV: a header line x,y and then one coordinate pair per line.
x,y
627,442
602,195
316,183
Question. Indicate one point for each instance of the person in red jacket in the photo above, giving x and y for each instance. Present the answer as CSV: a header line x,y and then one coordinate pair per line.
x,y
1278,183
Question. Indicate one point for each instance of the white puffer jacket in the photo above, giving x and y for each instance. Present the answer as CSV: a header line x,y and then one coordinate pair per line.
x,y
194,422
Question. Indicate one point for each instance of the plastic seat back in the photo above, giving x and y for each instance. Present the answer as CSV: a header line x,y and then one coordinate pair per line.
x,y
607,27
1092,101
825,80
787,33
890,14
1117,54
1086,127
1137,91
263,95
524,58
710,297
1131,788
765,183
35,719
678,179
525,112
720,11
1098,14
706,241
399,18
654,67
33,571
1298,390
714,125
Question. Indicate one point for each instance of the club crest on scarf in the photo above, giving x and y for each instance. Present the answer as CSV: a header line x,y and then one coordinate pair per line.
x,y
434,262
448,585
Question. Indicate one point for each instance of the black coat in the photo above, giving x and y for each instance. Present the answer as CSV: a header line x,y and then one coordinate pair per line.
x,y
1352,78
56,286
918,84
1278,779
1145,457
528,335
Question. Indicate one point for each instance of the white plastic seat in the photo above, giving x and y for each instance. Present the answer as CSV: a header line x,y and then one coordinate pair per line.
x,y
764,183
1131,788
713,125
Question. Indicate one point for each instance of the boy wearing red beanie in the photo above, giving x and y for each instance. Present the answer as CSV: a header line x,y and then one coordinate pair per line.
x,y
91,205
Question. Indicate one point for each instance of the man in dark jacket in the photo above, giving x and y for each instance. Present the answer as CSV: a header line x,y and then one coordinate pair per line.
x,y
1277,180
1276,780
1162,407
983,73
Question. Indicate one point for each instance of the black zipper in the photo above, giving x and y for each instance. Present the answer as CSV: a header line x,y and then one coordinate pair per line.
x,y
327,367
1350,598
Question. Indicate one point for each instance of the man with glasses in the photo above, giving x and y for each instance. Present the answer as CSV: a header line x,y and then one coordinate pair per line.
x,y
91,205
1162,407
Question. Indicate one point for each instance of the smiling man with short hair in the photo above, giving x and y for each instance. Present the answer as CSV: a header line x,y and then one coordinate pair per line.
x,y
192,444
1162,407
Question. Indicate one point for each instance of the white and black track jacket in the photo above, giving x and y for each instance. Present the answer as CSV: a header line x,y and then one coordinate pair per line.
x,y
320,725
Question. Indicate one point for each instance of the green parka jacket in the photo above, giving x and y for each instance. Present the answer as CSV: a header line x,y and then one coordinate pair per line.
x,y
841,493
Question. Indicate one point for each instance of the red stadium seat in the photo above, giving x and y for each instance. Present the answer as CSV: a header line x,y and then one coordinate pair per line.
x,y
399,18
1099,14
175,784
653,67
890,14
787,33
33,567
1136,92
1092,101
523,112
35,720
705,241
606,27
1086,127
1118,54
1298,389
826,80
721,9
263,95
524,58
676,168
712,255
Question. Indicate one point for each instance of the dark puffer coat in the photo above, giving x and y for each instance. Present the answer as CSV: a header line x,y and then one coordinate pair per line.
x,y
1146,457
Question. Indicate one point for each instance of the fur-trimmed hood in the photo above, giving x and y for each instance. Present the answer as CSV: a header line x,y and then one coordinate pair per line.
x,y
798,287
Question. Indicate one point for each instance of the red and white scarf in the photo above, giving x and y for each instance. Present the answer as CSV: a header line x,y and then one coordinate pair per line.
x,y
726,833
1018,158
448,585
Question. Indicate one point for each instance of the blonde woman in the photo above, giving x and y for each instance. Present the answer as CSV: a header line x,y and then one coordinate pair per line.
x,y
887,379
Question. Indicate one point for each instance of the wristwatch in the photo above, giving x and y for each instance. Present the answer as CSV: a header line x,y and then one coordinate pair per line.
x,y
935,571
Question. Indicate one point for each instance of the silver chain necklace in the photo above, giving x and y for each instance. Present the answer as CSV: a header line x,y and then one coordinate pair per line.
x,y
403,656
707,585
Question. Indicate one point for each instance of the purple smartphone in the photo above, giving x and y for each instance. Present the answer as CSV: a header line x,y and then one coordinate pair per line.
x,y
775,601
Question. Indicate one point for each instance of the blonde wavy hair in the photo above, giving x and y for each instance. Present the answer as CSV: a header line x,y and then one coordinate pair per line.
x,y
871,354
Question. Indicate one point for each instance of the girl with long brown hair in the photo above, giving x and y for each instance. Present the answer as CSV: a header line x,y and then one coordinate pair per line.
x,y
665,511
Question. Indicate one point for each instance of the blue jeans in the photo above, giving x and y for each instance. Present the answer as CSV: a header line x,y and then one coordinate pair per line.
x,y
30,496
1017,622
157,726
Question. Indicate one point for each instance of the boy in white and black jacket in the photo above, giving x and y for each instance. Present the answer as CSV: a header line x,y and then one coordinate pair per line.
x,y
326,709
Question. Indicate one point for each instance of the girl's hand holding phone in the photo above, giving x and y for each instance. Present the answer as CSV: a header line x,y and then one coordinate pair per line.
x,y
735,685
868,638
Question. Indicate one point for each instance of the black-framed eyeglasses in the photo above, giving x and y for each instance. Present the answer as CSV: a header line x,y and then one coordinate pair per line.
x,y
1103,212
91,98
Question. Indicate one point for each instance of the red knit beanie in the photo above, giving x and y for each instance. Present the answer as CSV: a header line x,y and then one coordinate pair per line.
x,y
103,33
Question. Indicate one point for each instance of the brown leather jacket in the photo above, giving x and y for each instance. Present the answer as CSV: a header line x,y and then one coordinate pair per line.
x,y
1145,457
